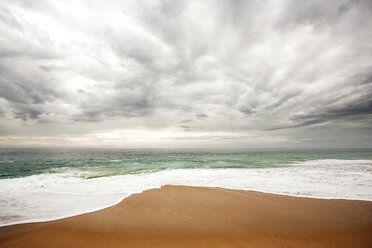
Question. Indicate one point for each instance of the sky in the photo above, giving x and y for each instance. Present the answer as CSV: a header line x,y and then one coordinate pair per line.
x,y
186,74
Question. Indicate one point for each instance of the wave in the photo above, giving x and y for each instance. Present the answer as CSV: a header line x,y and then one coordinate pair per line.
x,y
334,162
53,196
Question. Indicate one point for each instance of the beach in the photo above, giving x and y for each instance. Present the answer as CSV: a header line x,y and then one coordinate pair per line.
x,y
180,216
185,124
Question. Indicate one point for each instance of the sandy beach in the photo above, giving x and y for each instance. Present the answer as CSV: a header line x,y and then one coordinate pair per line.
x,y
178,216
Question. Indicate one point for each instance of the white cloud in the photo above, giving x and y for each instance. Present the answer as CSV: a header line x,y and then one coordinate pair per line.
x,y
283,71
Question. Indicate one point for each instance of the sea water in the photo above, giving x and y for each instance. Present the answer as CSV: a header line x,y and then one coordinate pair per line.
x,y
46,184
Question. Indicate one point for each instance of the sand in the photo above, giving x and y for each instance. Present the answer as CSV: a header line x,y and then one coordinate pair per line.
x,y
178,216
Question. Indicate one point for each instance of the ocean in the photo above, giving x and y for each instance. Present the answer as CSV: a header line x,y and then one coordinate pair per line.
x,y
39,184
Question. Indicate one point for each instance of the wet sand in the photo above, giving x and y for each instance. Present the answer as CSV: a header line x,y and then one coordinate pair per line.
x,y
179,216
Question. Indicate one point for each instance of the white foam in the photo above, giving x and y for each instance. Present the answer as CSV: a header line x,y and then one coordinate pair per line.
x,y
53,196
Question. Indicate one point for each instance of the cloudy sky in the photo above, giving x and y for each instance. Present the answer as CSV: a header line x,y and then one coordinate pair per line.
x,y
209,73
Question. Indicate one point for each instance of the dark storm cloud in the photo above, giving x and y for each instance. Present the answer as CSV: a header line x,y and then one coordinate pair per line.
x,y
132,104
368,80
201,116
26,89
319,13
356,111
219,66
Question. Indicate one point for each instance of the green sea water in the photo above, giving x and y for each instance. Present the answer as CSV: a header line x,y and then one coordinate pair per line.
x,y
22,162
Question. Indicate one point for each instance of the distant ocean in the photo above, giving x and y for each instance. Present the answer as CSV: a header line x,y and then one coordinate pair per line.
x,y
45,184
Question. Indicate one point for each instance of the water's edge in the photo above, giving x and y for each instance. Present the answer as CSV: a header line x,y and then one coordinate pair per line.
x,y
31,221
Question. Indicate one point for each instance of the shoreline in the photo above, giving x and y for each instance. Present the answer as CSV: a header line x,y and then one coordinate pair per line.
x,y
33,221
184,216
69,193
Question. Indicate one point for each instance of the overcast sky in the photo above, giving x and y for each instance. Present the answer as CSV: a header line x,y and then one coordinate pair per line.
x,y
186,73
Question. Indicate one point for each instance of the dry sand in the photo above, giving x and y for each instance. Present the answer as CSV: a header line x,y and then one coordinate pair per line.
x,y
177,216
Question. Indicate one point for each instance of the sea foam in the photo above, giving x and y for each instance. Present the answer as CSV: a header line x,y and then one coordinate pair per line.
x,y
54,196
